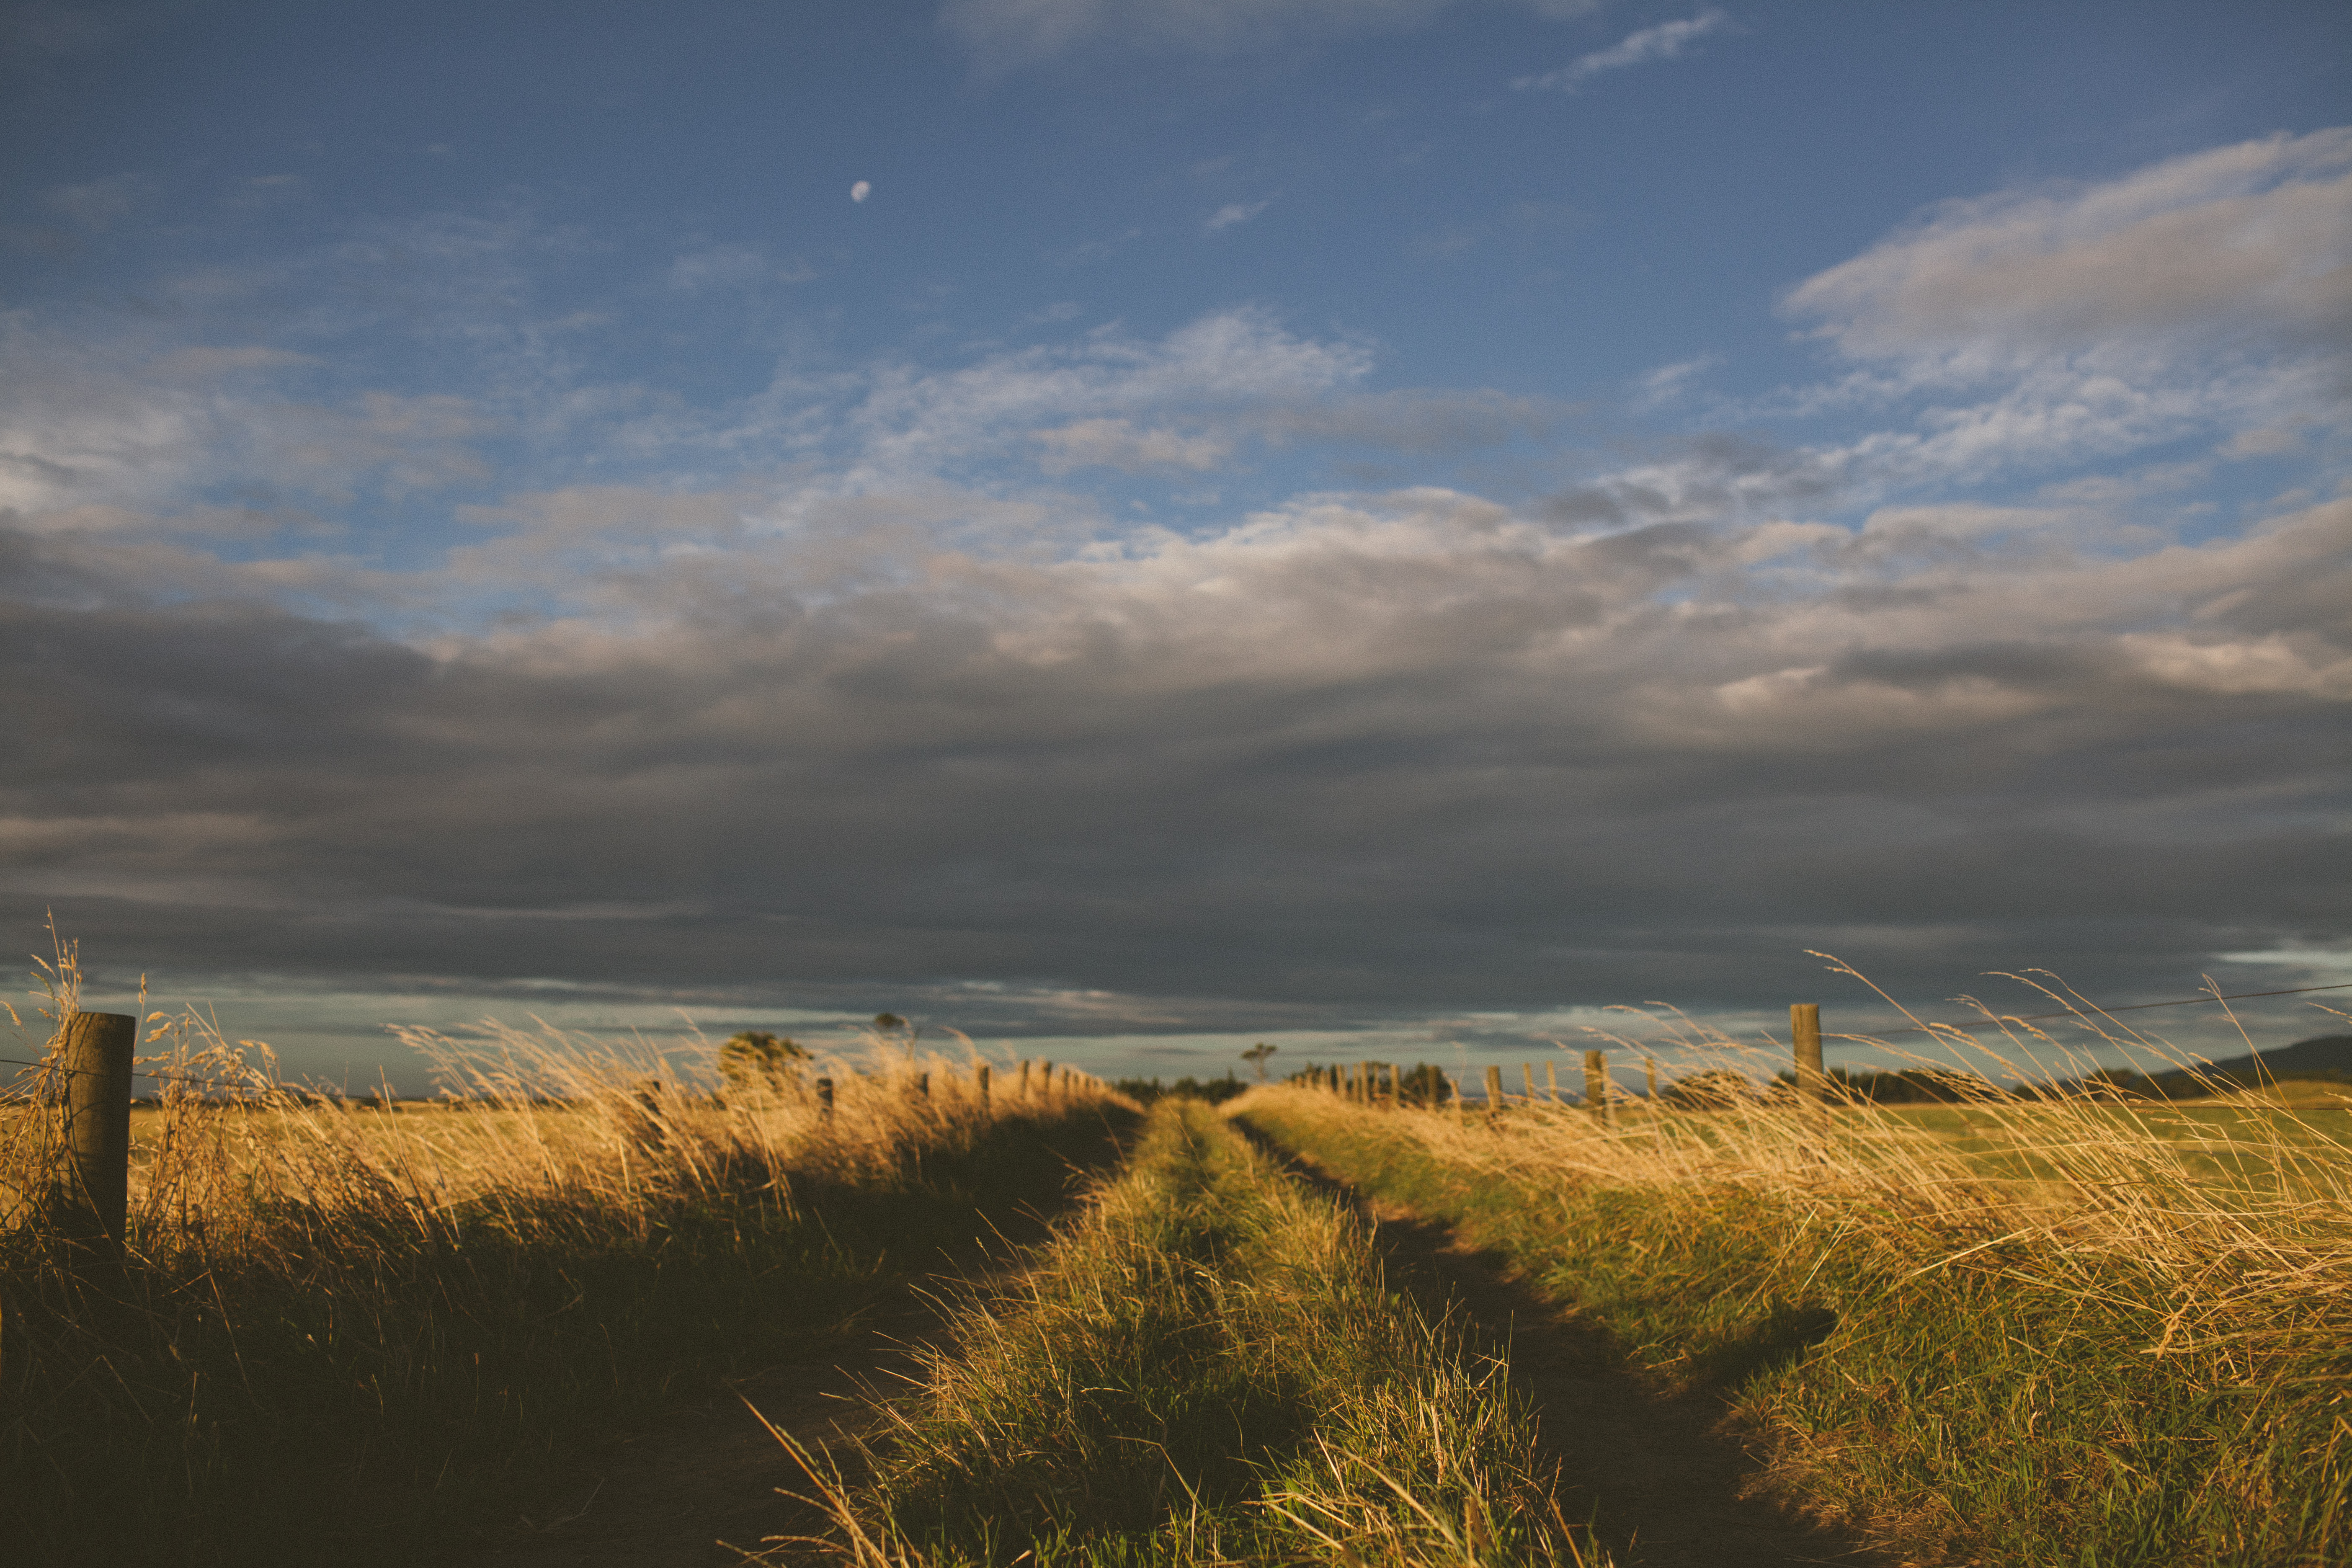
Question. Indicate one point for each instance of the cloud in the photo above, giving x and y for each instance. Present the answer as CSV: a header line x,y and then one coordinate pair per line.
x,y
1663,42
1116,444
1002,34
2065,324
732,267
1231,213
1668,383
2255,238
849,707
1353,752
861,190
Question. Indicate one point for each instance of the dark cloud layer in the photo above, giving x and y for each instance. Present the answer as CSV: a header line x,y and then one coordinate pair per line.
x,y
1404,752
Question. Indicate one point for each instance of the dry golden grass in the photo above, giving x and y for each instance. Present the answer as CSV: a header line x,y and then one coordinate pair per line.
x,y
351,1328
2053,1328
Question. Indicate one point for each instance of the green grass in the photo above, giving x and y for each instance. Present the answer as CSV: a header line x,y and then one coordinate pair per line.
x,y
1208,1368
2041,1400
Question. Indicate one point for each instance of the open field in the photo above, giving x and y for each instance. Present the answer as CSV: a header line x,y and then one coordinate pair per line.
x,y
2063,1330
2039,1333
351,1335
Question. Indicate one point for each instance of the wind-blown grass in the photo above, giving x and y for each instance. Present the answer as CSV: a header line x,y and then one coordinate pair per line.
x,y
2078,1334
1207,1368
351,1334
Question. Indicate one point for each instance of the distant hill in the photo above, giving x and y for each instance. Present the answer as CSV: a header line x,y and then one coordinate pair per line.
x,y
2326,1056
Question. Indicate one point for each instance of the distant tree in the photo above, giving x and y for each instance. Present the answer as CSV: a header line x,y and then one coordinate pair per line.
x,y
1255,1056
757,1062
1211,1089
1425,1085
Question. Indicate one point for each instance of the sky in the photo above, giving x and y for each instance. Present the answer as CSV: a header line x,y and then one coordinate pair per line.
x,y
1127,528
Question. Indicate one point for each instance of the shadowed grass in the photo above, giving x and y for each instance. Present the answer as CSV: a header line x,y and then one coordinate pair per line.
x,y
357,1335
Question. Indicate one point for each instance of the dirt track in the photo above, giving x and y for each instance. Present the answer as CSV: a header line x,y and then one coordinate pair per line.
x,y
1666,1482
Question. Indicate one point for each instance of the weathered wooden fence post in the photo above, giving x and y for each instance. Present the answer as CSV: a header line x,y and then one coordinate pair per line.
x,y
1650,1076
1493,1092
1805,1028
1596,1084
97,1047
922,1086
825,1096
1528,1072
1551,1080
979,1085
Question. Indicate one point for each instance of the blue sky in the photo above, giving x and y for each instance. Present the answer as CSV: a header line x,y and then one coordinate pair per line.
x,y
1396,523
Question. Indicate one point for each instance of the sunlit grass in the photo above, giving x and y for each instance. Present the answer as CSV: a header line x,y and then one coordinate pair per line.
x,y
2056,1328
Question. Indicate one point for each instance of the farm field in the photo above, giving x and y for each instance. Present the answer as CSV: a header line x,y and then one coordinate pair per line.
x,y
1302,1326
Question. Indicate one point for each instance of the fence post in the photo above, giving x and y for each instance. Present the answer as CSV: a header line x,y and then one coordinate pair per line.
x,y
1805,1028
1596,1084
922,1086
1650,1073
97,1047
825,1096
1493,1092
980,1083
1528,1072
1551,1080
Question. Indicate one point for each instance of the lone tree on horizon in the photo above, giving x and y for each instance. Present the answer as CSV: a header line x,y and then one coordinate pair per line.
x,y
756,1061
1255,1056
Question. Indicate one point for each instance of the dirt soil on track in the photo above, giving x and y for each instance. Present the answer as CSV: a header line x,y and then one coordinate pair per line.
x,y
1668,1481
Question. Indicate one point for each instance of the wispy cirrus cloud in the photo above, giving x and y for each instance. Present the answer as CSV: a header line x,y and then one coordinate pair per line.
x,y
1663,42
1233,213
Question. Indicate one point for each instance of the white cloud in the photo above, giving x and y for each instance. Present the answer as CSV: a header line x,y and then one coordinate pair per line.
x,y
1663,42
1668,383
1232,212
2256,236
1116,444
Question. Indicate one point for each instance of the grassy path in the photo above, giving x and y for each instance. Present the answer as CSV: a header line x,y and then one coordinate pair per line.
x,y
1961,1373
1208,1368
1664,1482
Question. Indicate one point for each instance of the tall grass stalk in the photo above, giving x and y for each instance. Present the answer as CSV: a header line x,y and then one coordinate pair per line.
x,y
1208,1368
359,1332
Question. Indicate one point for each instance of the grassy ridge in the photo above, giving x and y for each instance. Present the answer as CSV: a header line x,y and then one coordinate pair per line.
x,y
1935,1356
1207,1368
345,1336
